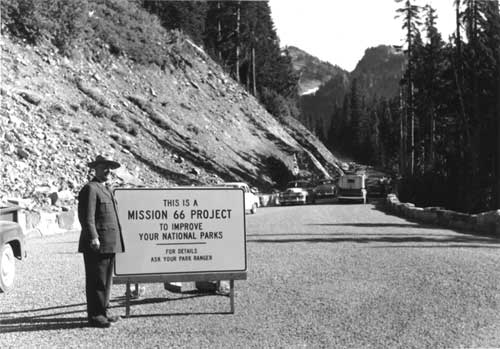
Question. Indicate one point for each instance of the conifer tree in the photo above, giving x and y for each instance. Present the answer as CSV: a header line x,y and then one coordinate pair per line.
x,y
429,83
355,118
411,17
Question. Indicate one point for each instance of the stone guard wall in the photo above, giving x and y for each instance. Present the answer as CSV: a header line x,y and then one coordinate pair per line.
x,y
483,223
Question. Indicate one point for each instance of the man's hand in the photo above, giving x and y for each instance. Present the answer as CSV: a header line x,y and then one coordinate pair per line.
x,y
95,244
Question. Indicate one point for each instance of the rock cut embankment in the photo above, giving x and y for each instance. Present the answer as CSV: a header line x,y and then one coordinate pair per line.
x,y
185,122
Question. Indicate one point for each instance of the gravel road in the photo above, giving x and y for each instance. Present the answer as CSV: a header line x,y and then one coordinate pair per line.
x,y
333,276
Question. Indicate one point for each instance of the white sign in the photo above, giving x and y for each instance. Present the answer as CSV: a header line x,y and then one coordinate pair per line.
x,y
181,230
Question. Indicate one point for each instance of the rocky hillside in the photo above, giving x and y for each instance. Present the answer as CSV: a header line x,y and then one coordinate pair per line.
x,y
182,123
312,71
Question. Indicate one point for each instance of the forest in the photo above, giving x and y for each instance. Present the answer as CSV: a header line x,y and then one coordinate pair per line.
x,y
440,135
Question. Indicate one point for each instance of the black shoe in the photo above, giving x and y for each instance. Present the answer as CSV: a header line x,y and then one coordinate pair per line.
x,y
113,318
99,321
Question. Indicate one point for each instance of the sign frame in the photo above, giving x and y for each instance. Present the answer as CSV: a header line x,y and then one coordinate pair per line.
x,y
185,276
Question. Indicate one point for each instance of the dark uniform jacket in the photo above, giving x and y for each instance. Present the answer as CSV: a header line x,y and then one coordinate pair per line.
x,y
99,219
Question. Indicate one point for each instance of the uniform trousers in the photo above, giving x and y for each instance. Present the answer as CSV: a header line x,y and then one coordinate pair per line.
x,y
98,281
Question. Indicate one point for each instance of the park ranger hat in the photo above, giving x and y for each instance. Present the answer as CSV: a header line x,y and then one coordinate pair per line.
x,y
102,160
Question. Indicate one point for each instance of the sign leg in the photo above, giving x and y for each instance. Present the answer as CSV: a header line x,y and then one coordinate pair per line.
x,y
231,293
127,300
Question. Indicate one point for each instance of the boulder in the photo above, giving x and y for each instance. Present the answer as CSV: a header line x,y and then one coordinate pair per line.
x,y
68,220
61,196
22,153
31,97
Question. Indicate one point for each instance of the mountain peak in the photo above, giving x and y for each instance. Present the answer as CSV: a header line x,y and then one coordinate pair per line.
x,y
313,72
379,71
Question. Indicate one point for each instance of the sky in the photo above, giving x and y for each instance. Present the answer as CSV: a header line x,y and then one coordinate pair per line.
x,y
339,31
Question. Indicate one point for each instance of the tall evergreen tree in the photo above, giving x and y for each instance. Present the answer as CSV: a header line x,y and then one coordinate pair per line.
x,y
411,17
493,34
260,64
429,83
356,115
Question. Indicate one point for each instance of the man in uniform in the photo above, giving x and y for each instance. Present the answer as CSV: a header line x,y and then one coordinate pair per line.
x,y
100,239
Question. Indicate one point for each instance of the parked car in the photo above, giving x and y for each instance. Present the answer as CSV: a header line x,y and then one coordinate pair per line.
x,y
344,166
12,246
251,200
325,190
377,186
297,192
351,187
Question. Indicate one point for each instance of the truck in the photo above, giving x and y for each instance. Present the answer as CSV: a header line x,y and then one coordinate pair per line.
x,y
352,187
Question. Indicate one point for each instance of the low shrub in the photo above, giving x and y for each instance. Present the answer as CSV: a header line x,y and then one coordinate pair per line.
x,y
63,21
128,30
23,18
124,27
71,17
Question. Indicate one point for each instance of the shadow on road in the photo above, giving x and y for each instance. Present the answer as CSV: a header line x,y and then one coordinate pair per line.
x,y
43,309
46,320
362,239
41,319
30,324
379,225
181,314
438,246
193,294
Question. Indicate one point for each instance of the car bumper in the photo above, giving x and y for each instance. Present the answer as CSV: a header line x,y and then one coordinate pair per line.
x,y
324,196
351,197
297,200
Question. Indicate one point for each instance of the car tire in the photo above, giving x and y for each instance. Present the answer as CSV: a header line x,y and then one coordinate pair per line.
x,y
7,268
254,209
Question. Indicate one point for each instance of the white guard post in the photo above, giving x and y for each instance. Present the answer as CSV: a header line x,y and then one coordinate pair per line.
x,y
181,235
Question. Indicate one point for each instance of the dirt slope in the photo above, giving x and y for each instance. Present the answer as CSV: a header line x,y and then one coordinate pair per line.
x,y
184,123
